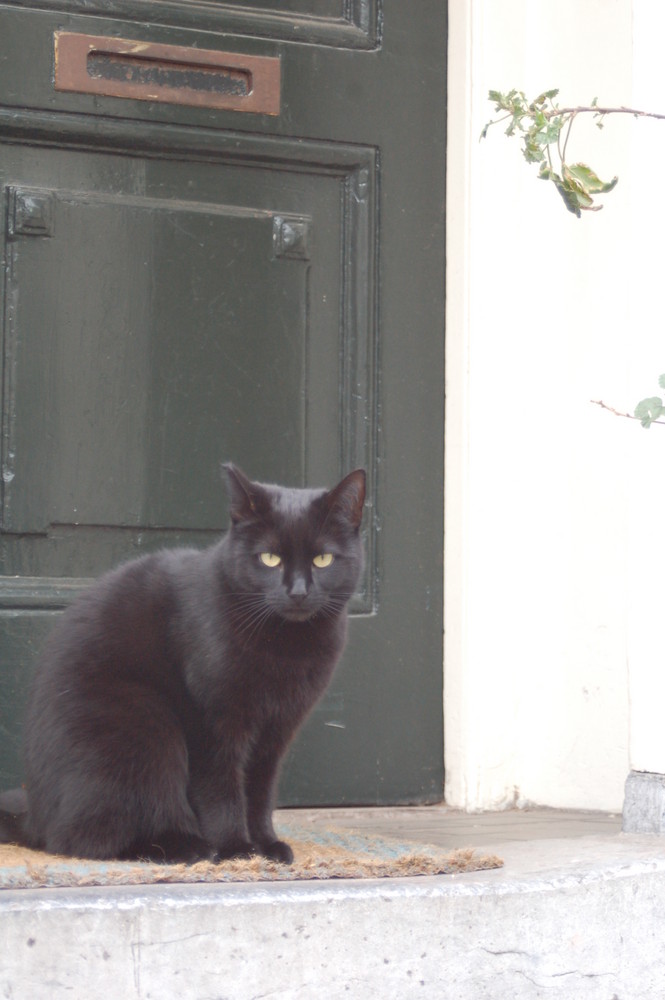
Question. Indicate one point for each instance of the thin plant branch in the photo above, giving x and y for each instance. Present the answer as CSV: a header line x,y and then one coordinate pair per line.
x,y
545,130
568,131
601,112
621,413
539,124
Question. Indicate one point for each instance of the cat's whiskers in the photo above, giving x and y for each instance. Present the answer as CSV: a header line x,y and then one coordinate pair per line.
x,y
331,609
250,613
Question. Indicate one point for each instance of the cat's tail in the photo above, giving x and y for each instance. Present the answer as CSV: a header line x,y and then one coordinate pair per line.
x,y
13,816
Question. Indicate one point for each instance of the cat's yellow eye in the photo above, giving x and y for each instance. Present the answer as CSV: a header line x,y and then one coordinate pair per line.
x,y
323,560
270,559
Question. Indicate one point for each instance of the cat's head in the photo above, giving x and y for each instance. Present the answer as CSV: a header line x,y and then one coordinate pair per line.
x,y
296,552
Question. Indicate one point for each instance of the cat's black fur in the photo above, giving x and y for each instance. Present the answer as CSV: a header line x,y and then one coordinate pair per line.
x,y
168,693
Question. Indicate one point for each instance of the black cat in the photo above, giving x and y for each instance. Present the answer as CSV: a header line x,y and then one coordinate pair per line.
x,y
168,693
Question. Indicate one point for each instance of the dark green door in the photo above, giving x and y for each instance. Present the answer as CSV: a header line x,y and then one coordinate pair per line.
x,y
223,239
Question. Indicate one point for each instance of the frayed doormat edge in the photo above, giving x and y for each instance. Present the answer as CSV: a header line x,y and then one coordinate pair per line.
x,y
325,854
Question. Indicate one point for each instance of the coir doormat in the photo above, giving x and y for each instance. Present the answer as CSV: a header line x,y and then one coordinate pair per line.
x,y
320,854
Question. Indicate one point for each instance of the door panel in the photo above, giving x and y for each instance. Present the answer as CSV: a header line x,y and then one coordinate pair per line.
x,y
166,335
167,305
185,286
21,636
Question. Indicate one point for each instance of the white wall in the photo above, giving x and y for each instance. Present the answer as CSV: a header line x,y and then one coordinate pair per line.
x,y
547,527
645,278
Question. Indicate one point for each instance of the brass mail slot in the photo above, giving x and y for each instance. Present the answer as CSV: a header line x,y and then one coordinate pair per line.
x,y
174,74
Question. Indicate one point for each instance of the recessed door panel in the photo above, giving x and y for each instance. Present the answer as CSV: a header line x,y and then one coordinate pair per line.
x,y
169,336
147,339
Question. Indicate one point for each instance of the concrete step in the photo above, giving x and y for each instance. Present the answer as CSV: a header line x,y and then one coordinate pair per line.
x,y
571,918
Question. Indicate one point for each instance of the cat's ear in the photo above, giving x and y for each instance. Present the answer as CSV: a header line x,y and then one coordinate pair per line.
x,y
247,498
347,498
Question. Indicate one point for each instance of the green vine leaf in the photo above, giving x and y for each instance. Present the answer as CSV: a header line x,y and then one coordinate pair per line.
x,y
577,185
649,410
589,180
573,191
547,95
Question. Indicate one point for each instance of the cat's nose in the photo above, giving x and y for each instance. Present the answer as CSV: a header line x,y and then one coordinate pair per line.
x,y
298,590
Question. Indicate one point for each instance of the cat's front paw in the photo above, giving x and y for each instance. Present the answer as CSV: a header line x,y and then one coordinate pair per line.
x,y
234,849
277,850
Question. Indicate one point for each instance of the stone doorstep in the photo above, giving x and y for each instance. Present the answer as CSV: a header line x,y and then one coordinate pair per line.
x,y
568,918
644,803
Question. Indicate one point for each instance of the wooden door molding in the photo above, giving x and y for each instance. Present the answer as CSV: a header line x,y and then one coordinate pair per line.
x,y
337,23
